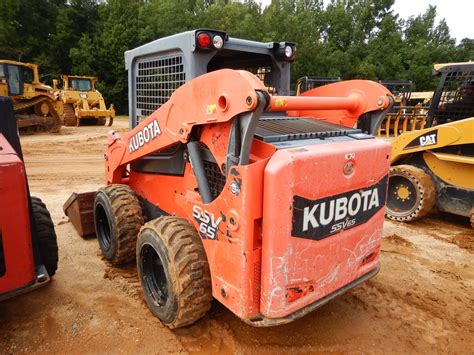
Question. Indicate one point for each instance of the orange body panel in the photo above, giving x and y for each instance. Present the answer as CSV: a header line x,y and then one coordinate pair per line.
x,y
342,102
303,265
260,266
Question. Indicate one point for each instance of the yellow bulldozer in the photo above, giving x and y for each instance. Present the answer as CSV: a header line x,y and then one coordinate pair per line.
x,y
83,103
434,166
34,103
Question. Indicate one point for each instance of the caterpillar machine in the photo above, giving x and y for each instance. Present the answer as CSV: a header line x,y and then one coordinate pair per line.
x,y
83,103
35,105
271,204
434,166
28,245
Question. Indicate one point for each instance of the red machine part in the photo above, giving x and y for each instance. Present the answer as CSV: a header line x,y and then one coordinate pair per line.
x,y
253,238
14,223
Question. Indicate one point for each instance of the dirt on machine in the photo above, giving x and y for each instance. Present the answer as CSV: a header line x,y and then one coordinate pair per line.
x,y
34,103
83,103
434,166
228,188
28,243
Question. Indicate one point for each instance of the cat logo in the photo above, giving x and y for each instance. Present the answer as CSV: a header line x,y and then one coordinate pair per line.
x,y
427,139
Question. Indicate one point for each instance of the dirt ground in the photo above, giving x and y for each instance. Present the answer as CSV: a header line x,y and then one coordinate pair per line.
x,y
422,300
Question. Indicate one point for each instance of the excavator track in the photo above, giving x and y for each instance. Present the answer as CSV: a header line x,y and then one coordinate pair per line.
x,y
33,123
21,106
69,115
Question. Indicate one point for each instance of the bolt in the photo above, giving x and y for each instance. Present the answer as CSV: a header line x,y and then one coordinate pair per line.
x,y
232,221
181,131
248,100
379,103
223,293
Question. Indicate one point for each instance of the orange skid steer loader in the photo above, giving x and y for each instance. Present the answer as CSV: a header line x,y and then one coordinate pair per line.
x,y
219,193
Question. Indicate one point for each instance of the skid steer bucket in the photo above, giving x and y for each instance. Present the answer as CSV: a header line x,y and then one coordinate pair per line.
x,y
79,209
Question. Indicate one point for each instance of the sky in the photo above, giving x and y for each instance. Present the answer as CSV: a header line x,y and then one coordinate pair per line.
x,y
457,13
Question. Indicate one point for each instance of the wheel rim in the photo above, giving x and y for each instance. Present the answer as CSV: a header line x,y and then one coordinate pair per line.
x,y
103,227
154,275
402,196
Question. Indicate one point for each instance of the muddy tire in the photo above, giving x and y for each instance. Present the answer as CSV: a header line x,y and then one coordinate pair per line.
x,y
411,193
69,116
174,271
118,217
47,240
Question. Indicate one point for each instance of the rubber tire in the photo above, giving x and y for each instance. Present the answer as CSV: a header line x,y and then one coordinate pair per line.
x,y
69,116
188,280
117,208
425,193
47,240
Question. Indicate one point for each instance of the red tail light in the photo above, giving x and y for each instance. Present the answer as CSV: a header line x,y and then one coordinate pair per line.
x,y
204,40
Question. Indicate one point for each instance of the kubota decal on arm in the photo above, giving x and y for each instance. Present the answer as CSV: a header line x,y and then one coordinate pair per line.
x,y
321,218
144,136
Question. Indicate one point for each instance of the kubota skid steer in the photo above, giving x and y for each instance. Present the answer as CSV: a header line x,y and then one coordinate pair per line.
x,y
220,194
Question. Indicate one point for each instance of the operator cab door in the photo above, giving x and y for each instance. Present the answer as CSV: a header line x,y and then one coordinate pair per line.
x,y
14,79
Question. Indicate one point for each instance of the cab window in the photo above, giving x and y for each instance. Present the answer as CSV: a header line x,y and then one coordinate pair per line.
x,y
15,85
81,84
2,71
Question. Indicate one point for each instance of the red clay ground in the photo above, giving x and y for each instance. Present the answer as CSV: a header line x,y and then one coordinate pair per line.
x,y
422,300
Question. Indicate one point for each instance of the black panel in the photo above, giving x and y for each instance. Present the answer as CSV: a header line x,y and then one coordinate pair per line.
x,y
8,124
150,210
169,162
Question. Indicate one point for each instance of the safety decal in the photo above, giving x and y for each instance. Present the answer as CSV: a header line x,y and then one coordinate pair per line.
x,y
321,218
144,136
430,138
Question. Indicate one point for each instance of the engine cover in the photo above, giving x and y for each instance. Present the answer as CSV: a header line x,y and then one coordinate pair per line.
x,y
322,220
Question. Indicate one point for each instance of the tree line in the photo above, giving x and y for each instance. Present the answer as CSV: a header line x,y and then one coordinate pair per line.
x,y
347,38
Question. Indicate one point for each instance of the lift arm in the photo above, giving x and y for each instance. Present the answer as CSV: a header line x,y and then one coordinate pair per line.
x,y
221,96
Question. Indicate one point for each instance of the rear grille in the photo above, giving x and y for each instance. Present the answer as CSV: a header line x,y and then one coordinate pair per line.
x,y
156,80
214,177
280,129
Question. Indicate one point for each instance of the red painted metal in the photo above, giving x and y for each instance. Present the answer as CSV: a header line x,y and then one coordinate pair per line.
x,y
14,222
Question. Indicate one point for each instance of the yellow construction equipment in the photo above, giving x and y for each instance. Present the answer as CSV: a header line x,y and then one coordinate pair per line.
x,y
83,103
418,110
34,103
435,165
